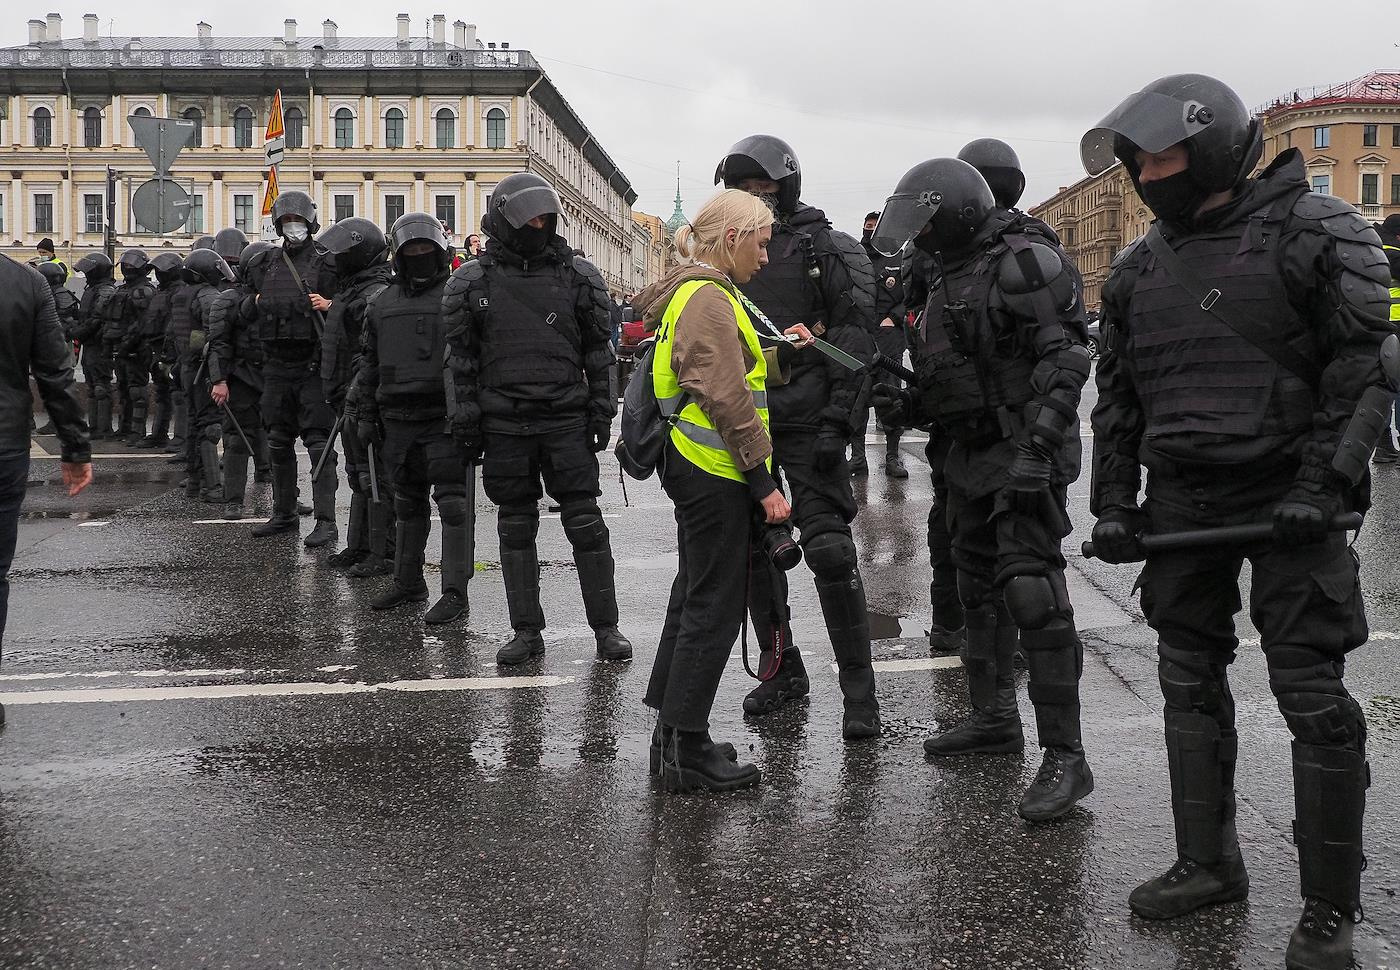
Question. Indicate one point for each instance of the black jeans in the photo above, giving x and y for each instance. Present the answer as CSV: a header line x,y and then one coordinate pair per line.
x,y
14,478
706,608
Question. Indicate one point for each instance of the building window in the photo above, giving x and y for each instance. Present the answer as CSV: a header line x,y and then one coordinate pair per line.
x,y
43,128
195,222
1395,136
1371,189
92,128
243,128
1369,135
293,125
197,116
446,128
393,208
1322,137
92,213
243,213
1287,140
2,213
43,212
1395,190
495,128
446,207
344,207
393,128
1322,184
142,112
344,129
1067,235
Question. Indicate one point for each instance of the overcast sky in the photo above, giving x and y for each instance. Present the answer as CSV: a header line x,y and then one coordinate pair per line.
x,y
863,91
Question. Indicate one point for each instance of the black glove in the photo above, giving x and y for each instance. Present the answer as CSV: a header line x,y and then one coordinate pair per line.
x,y
1304,513
894,406
369,432
1029,481
829,450
599,434
1115,535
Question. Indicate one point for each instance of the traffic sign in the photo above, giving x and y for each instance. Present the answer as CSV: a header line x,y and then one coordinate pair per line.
x,y
274,118
162,138
160,205
275,148
270,195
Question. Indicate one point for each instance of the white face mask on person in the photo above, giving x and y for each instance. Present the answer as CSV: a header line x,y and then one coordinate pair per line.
x,y
296,232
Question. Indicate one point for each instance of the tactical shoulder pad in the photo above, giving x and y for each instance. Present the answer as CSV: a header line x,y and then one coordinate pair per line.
x,y
1129,252
586,269
1031,269
1337,218
463,279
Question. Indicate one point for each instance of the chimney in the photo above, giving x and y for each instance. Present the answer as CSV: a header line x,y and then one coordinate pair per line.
x,y
90,28
135,44
205,32
36,32
459,33
439,29
505,45
55,28
328,31
289,30
403,28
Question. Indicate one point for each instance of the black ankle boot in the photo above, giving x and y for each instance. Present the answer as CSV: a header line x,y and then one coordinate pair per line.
x,y
725,749
981,733
1322,939
612,645
690,760
1188,885
396,596
1063,779
452,604
789,684
524,645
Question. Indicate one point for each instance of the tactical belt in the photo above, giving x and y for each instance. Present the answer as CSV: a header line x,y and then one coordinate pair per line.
x,y
1210,298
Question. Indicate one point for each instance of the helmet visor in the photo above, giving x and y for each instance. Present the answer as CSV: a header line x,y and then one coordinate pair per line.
x,y
529,203
416,226
1149,120
905,214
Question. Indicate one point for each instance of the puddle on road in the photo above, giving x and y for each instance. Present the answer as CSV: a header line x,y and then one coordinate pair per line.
x,y
885,627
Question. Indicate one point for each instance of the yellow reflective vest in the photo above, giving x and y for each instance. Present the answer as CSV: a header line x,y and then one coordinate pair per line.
x,y
1394,293
693,434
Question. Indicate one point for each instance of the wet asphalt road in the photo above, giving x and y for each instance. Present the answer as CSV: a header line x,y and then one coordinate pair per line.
x,y
212,779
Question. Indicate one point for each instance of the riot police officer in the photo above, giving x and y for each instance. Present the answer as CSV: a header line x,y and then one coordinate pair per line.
x,y
1241,331
529,335
808,281
401,402
206,276
294,294
356,249
56,275
890,339
1001,358
92,310
147,338
122,331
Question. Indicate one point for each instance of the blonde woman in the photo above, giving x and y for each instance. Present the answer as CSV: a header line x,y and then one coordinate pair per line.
x,y
716,469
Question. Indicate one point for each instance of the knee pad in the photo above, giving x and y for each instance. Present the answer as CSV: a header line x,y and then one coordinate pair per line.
x,y
584,526
280,442
1313,700
101,391
212,433
1192,682
973,590
453,509
1033,601
315,440
830,554
410,505
517,527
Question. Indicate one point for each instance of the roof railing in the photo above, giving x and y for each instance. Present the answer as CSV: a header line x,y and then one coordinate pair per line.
x,y
445,59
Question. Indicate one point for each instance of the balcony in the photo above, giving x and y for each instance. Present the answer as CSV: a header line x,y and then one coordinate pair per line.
x,y
1372,213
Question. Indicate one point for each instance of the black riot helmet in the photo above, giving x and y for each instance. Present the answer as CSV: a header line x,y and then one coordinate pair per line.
x,y
167,266
206,266
352,245
1222,141
134,263
295,203
203,242
253,262
516,200
764,157
996,161
946,194
95,266
420,271
229,244
53,273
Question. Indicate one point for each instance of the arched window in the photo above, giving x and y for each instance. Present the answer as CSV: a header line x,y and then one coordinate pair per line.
x,y
92,128
43,127
197,116
495,128
243,127
344,129
142,112
446,128
393,128
294,124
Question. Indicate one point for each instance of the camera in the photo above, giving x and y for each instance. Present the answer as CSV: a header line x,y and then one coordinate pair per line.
x,y
778,545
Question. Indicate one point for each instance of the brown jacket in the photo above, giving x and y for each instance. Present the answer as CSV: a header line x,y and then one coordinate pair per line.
x,y
710,360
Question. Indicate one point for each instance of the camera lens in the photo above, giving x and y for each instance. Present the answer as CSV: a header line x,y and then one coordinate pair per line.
x,y
783,551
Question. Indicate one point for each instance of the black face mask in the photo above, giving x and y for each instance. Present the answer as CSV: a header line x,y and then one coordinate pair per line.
x,y
866,236
529,241
420,270
1173,199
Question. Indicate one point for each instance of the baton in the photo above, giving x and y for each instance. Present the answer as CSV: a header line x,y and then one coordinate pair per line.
x,y
373,475
326,451
1224,535
891,366
239,428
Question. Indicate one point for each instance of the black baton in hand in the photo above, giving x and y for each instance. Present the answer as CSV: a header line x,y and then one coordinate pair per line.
x,y
891,366
1227,535
239,428
373,475
326,451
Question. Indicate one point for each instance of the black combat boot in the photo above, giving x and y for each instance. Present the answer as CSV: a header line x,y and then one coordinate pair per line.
x,y
520,569
235,483
1386,453
181,407
1329,791
894,462
456,571
690,760
210,475
789,684
160,428
356,535
284,501
595,576
1055,658
409,585
848,626
994,726
725,749
323,492
1209,868
379,559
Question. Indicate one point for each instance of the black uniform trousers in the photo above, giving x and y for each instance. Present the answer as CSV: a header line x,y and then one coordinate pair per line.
x,y
706,608
943,587
518,469
293,404
422,457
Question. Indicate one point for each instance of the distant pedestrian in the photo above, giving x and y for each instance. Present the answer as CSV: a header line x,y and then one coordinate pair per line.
x,y
46,255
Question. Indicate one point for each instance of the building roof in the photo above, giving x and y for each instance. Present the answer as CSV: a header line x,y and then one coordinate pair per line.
x,y
1378,87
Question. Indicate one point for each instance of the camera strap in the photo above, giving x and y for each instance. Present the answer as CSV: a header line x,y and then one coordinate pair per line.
x,y
776,650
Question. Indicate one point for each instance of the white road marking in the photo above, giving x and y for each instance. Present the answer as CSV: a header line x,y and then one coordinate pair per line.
x,y
148,695
905,666
246,520
97,524
1375,635
108,674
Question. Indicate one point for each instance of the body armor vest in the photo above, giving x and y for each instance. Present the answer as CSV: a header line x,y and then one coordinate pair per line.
x,y
182,315
1194,373
412,344
784,289
284,306
239,322
973,379
66,305
157,314
124,308
529,328
91,308
345,325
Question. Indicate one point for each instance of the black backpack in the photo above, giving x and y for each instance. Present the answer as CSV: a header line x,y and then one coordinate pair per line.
x,y
644,427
